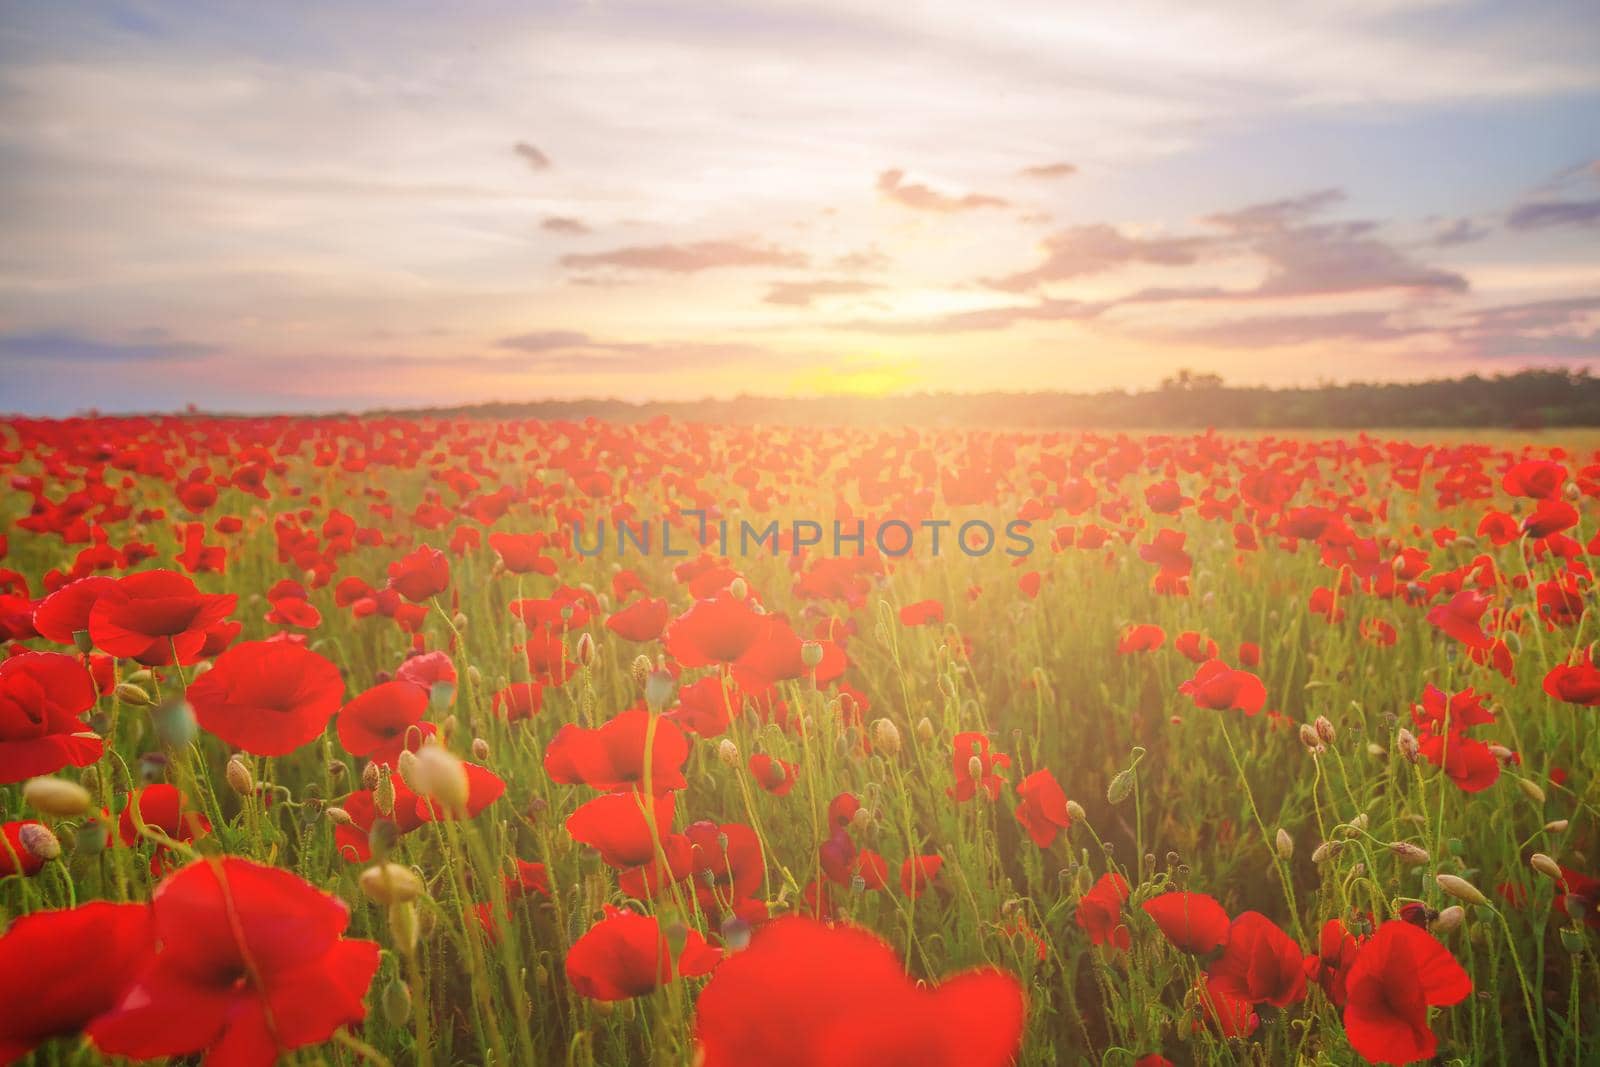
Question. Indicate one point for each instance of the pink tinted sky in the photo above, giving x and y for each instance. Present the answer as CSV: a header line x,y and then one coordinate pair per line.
x,y
291,206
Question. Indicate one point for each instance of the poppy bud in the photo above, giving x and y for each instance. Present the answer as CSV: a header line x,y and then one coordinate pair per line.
x,y
396,1003
1325,729
1461,889
383,792
129,693
886,737
338,816
728,752
1376,750
1075,811
55,796
739,588
337,769
475,676
238,776
585,649
1502,753
1513,641
1326,851
459,621
82,641
811,654
38,841
390,883
1556,826
1284,844
1531,790
640,669
924,729
406,765
974,767
1572,492
1309,738
1120,789
1406,742
369,777
1449,919
861,820
480,749
175,724
1572,938
1409,854
1545,866
404,927
442,777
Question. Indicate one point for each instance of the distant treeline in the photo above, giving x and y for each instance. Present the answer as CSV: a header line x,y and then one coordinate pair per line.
x,y
1528,399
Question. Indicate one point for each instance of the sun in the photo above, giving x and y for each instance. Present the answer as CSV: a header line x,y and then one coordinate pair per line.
x,y
858,376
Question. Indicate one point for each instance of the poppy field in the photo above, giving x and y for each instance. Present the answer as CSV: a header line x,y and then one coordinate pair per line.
x,y
425,741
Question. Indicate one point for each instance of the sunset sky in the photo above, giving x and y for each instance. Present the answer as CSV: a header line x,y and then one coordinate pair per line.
x,y
262,206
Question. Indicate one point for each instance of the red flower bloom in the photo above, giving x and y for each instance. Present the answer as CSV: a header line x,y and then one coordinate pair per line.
x,y
267,697
1579,898
806,995
1461,617
61,969
1143,637
1550,517
484,787
627,955
612,756
164,808
1219,687
1468,762
156,617
616,826
377,724
252,964
974,766
1099,912
1536,478
1043,808
423,574
776,776
64,614
918,873
642,620
1575,683
1193,922
43,696
1398,974
922,613
522,700
1330,967
354,841
1260,963
1194,647
522,553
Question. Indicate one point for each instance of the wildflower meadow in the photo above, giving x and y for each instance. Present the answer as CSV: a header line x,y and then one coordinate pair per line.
x,y
444,741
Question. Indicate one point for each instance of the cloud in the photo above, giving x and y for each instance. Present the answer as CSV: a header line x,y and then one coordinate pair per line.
x,y
802,294
1049,170
979,319
544,341
892,185
1459,232
66,346
689,258
1272,331
865,260
532,155
1545,214
1084,250
1277,214
565,224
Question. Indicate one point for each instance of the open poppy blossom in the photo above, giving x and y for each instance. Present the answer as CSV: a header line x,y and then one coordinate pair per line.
x,y
420,576
643,620
267,697
1099,912
379,723
43,697
1259,964
1399,973
974,767
806,995
1219,687
1042,810
617,826
1193,922
627,955
156,617
252,964
613,756
60,970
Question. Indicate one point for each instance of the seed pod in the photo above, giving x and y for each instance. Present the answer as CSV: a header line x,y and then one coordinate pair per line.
x,y
369,776
390,883
640,669
1075,811
38,841
480,749
1556,826
383,793
1406,742
1461,889
406,765
1284,844
811,654
1309,738
886,737
238,776
338,816
1449,919
1121,787
1545,866
56,796
1325,730
728,752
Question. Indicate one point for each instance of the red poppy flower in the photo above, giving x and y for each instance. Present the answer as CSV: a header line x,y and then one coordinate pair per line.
x,y
1579,898
1219,687
1099,912
1438,710
616,826
807,995
427,671
1195,647
776,776
43,696
643,620
1260,963
354,841
1550,517
966,748
1330,967
1043,808
627,955
612,756
156,617
918,873
484,787
1399,973
522,700
1193,922
1468,763
377,724
420,576
61,969
922,613
164,808
1535,478
1461,617
522,553
1143,637
728,867
252,964
267,697
720,630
